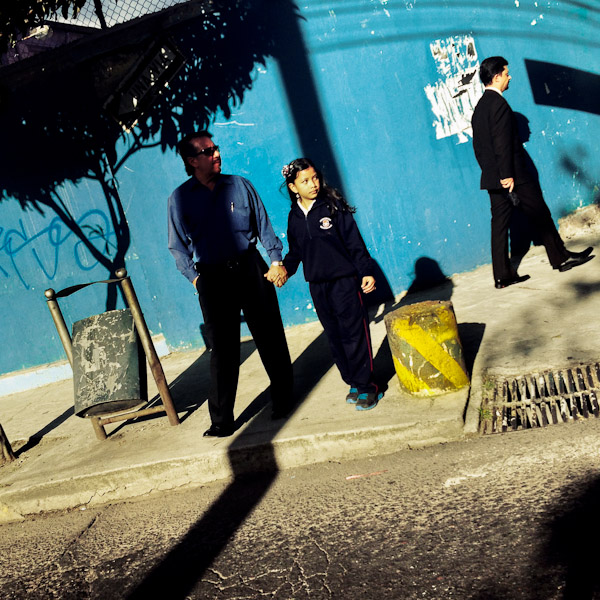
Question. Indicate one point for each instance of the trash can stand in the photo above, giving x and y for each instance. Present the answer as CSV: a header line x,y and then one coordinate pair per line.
x,y
123,279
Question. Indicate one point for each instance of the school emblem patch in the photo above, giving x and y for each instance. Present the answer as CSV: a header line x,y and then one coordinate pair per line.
x,y
326,223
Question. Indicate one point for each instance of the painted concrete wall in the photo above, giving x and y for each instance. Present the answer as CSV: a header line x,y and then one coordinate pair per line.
x,y
377,91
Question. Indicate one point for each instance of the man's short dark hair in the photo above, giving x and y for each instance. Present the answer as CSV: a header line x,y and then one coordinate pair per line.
x,y
186,149
494,65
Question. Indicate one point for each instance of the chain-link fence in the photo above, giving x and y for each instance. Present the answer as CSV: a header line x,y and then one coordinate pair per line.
x,y
97,14
114,12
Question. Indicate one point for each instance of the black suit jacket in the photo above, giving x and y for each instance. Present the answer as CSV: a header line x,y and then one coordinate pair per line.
x,y
496,142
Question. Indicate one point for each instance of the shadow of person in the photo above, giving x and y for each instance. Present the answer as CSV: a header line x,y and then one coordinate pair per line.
x,y
429,283
521,234
525,135
309,368
573,533
192,387
254,470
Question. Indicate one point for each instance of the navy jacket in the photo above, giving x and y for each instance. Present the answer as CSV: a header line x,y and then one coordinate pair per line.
x,y
329,246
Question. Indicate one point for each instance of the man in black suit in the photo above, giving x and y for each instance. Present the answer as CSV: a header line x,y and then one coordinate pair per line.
x,y
506,176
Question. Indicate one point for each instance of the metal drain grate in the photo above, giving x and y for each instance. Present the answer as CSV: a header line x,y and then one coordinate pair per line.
x,y
541,399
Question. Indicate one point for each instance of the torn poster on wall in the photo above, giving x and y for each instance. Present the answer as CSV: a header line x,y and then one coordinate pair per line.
x,y
454,96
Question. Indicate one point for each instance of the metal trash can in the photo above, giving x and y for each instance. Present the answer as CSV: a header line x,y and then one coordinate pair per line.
x,y
109,364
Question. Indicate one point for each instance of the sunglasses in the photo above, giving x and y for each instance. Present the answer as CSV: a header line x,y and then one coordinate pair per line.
x,y
207,151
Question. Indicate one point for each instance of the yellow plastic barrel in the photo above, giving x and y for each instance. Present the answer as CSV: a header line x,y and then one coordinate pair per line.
x,y
426,348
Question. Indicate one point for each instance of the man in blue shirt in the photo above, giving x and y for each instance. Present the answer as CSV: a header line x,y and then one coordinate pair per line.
x,y
214,222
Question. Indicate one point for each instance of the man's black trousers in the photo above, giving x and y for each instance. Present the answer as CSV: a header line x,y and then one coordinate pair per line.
x,y
531,203
224,291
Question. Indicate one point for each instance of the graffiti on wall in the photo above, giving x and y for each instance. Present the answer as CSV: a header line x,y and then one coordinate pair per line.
x,y
454,96
44,250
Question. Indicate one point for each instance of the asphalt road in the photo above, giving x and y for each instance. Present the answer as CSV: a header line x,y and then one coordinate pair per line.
x,y
512,516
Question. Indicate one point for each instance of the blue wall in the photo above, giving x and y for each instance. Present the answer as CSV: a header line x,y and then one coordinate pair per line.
x,y
349,90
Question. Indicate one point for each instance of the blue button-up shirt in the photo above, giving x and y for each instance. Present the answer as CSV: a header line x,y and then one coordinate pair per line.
x,y
212,226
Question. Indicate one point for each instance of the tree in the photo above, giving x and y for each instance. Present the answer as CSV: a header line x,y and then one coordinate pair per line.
x,y
77,138
18,17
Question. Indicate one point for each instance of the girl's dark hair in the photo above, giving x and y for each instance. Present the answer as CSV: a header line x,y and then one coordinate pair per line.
x,y
332,197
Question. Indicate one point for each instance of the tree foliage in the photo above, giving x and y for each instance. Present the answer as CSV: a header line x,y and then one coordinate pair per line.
x,y
18,17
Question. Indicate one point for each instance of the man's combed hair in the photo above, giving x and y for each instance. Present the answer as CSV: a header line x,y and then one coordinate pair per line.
x,y
186,149
494,65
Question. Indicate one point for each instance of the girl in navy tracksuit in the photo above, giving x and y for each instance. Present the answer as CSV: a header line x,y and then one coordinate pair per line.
x,y
323,235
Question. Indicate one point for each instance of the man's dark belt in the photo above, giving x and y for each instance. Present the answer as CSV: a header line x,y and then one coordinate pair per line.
x,y
230,264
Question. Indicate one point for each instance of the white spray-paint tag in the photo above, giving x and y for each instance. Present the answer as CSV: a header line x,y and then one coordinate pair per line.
x,y
454,97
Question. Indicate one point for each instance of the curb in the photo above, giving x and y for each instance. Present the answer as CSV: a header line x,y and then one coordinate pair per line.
x,y
242,457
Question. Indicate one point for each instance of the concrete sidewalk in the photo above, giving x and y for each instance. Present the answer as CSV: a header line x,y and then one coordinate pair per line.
x,y
550,321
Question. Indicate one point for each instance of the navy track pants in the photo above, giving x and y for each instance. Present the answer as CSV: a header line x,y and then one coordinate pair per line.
x,y
340,308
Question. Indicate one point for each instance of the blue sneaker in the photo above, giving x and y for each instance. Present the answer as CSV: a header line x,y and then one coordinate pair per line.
x,y
368,401
352,396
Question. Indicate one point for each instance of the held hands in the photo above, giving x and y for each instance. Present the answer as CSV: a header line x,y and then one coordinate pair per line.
x,y
277,275
508,183
368,284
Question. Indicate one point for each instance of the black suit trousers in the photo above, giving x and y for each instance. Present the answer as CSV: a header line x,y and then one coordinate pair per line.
x,y
225,291
532,204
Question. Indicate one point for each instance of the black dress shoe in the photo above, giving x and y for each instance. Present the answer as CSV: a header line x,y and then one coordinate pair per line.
x,y
219,431
581,254
502,283
573,261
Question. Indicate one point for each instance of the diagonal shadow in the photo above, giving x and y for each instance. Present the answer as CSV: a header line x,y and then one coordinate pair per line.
x,y
189,390
566,87
309,368
292,56
563,87
36,438
572,529
185,564
179,571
